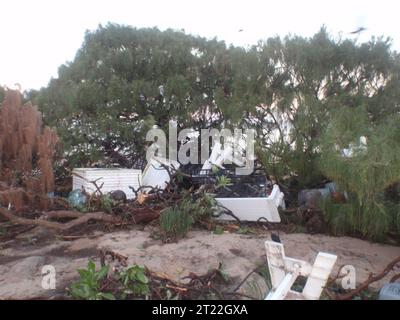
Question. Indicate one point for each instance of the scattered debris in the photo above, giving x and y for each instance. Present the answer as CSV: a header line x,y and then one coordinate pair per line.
x,y
78,219
200,251
157,174
129,282
77,198
253,209
390,291
284,272
219,156
118,195
311,198
372,278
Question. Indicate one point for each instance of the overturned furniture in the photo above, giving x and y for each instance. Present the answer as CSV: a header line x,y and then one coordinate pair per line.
x,y
254,209
248,197
285,270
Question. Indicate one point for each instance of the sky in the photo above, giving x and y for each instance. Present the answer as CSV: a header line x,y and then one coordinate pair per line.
x,y
37,36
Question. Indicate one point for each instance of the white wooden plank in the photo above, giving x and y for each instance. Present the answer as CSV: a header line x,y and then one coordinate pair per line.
x,y
275,255
319,275
284,271
282,290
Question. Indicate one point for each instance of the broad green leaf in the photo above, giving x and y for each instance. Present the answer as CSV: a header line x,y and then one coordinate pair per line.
x,y
106,295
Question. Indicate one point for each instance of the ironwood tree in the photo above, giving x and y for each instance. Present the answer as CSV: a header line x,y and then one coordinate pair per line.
x,y
307,99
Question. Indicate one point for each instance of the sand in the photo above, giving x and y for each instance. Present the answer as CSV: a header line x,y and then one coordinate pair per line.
x,y
21,263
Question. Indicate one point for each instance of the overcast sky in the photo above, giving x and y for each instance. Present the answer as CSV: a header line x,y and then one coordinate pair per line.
x,y
37,36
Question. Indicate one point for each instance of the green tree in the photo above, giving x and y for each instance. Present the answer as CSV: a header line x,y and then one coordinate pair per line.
x,y
123,81
304,80
302,96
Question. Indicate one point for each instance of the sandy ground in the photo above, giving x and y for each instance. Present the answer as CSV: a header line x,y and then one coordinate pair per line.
x,y
21,264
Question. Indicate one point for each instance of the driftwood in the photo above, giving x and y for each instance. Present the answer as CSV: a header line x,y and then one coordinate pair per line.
x,y
144,215
80,218
135,215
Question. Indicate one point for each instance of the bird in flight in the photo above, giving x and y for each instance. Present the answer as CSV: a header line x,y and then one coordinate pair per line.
x,y
241,30
359,30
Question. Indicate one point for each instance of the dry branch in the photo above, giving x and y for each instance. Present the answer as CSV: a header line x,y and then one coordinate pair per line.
x,y
60,214
81,219
370,280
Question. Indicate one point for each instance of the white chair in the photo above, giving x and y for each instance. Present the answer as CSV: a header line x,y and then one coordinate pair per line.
x,y
284,271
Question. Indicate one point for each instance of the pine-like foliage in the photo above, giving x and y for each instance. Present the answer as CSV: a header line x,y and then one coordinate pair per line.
x,y
366,174
125,80
307,79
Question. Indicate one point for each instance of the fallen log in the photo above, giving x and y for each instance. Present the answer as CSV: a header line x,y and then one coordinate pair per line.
x,y
144,215
60,214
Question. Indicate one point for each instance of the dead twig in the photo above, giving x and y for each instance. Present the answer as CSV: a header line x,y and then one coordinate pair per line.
x,y
336,277
60,214
98,188
395,278
249,274
123,260
176,288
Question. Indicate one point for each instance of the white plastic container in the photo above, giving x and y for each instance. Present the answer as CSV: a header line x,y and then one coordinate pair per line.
x,y
252,209
113,179
155,175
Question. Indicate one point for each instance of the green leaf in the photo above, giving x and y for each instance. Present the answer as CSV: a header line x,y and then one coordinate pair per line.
x,y
142,278
107,295
91,266
102,273
83,273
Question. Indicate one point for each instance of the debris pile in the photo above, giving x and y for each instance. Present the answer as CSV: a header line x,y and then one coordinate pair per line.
x,y
117,280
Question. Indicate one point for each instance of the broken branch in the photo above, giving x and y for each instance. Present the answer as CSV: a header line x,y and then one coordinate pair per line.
x,y
81,219
370,280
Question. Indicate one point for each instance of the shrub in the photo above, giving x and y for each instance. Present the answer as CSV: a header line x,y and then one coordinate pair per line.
x,y
175,222
89,285
134,281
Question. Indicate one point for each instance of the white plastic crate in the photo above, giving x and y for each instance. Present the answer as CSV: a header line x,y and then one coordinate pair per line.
x,y
113,179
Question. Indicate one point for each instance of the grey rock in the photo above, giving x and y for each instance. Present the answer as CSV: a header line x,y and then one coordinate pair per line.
x,y
118,195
